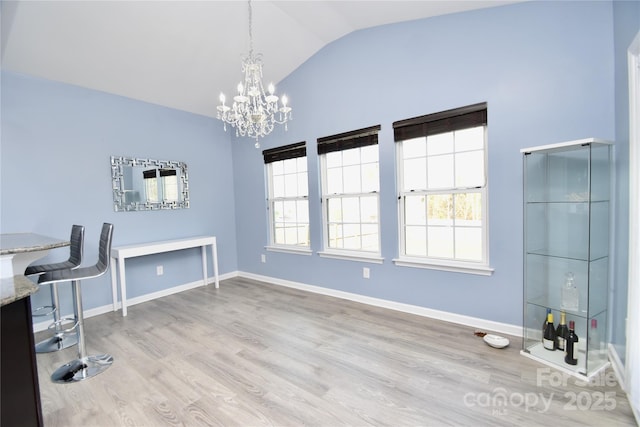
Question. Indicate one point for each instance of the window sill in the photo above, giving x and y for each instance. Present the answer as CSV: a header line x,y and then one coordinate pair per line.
x,y
457,267
352,256
289,250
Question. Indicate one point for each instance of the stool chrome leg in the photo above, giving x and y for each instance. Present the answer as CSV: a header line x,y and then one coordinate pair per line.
x,y
60,339
84,366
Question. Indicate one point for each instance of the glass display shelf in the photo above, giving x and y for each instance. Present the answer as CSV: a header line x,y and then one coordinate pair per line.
x,y
567,211
591,348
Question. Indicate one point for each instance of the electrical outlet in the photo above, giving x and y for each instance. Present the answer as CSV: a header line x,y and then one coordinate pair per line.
x,y
263,258
159,270
365,272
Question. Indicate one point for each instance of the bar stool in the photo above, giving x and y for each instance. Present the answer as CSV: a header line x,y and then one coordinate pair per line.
x,y
84,366
62,338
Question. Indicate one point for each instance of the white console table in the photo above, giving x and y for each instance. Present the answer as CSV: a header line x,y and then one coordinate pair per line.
x,y
121,253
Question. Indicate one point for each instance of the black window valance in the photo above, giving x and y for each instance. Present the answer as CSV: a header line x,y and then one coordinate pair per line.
x,y
444,121
285,152
347,140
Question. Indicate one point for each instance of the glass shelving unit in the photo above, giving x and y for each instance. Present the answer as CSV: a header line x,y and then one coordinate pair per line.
x,y
567,209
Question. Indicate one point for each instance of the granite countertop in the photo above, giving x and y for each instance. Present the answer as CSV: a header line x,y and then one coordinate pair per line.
x,y
15,288
14,243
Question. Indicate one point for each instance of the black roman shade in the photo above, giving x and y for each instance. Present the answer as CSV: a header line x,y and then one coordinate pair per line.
x,y
285,152
347,140
168,172
444,121
148,174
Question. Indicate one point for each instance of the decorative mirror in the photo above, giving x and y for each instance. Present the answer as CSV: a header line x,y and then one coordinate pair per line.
x,y
146,184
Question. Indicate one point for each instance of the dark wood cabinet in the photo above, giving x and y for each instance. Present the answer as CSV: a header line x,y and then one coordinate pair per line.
x,y
19,389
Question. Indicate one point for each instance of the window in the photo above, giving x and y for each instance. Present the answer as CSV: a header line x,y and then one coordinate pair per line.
x,y
350,187
165,186
443,190
288,192
151,185
169,185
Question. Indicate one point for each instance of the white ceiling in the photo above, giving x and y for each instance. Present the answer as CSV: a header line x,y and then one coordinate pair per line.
x,y
182,54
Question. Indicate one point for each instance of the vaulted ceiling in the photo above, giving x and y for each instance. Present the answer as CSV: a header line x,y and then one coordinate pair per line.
x,y
182,54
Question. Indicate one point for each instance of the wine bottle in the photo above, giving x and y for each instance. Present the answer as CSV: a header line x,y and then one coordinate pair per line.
x,y
572,339
595,353
546,318
549,337
562,331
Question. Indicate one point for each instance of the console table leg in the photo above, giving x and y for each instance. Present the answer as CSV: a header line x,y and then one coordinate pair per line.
x,y
214,249
114,285
203,249
123,286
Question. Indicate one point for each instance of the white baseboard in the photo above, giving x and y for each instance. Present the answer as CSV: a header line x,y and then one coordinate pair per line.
x,y
616,364
41,326
475,322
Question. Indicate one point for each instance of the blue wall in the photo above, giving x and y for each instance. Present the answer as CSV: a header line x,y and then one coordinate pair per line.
x,y
544,68
57,141
627,25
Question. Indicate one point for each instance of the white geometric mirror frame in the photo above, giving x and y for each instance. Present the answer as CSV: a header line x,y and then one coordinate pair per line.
x,y
140,184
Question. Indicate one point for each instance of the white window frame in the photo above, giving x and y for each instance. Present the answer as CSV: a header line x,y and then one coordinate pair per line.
x,y
345,253
170,187
271,200
480,267
151,187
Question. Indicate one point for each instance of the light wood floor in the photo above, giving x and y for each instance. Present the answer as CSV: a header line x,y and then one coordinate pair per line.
x,y
253,354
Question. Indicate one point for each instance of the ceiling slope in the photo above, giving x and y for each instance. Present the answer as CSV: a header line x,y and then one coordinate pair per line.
x,y
182,54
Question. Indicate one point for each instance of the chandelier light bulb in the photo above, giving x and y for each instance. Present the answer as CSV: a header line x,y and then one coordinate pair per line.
x,y
254,113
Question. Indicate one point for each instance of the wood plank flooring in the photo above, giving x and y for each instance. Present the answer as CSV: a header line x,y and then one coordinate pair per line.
x,y
255,354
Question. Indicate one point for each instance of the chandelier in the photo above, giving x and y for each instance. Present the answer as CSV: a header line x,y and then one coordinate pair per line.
x,y
254,112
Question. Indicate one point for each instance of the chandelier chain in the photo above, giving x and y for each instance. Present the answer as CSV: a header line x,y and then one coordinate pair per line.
x,y
250,29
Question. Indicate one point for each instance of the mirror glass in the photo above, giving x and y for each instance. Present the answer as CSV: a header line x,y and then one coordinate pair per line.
x,y
146,184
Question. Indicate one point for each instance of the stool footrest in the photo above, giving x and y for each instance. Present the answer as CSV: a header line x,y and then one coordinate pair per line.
x,y
54,326
52,309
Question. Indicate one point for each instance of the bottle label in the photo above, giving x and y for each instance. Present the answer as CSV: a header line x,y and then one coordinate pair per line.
x,y
548,344
561,343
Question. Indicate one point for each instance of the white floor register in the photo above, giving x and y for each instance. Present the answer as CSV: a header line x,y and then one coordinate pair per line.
x,y
121,253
